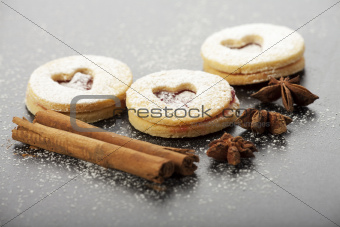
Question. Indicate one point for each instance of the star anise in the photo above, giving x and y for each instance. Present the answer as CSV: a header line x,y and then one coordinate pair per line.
x,y
231,149
290,91
260,121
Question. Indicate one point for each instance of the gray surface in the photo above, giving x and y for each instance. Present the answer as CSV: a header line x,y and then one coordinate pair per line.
x,y
303,165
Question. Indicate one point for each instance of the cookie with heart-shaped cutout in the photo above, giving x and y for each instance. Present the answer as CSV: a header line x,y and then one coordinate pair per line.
x,y
252,49
54,85
181,103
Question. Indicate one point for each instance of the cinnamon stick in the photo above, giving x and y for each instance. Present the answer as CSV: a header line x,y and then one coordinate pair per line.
x,y
182,158
108,155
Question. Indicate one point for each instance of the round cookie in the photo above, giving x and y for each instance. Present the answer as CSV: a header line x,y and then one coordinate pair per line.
x,y
252,48
54,84
245,79
181,103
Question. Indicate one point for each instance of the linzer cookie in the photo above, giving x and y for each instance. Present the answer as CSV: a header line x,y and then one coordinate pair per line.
x,y
180,103
253,53
53,86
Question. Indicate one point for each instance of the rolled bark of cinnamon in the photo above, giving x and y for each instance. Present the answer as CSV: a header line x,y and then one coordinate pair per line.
x,y
108,155
182,158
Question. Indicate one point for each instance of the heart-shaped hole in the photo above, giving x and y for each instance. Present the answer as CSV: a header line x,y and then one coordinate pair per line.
x,y
179,96
249,44
81,79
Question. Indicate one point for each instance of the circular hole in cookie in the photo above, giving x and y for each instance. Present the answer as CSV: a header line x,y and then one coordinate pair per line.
x,y
248,44
178,96
81,79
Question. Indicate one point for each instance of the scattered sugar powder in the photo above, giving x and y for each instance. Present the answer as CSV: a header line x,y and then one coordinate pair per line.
x,y
99,191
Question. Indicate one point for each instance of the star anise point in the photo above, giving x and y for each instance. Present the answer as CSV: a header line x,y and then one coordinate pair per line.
x,y
290,91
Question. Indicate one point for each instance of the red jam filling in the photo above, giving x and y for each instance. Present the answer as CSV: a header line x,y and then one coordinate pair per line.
x,y
180,98
79,81
249,47
232,96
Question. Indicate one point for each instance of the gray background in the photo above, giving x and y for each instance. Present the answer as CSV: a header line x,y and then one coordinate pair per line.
x,y
293,181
